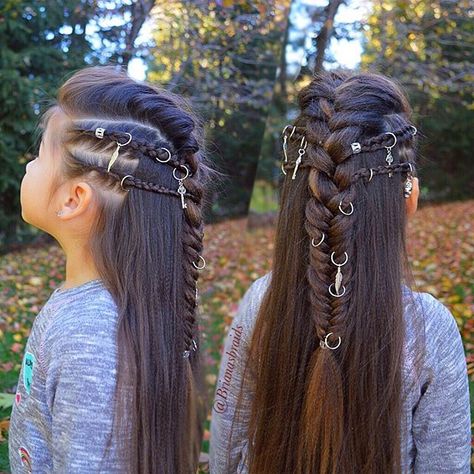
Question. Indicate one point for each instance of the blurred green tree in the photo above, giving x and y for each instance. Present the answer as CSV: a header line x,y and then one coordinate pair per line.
x,y
224,57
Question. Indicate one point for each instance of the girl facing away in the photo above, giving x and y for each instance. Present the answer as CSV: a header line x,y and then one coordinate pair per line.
x,y
333,363
111,378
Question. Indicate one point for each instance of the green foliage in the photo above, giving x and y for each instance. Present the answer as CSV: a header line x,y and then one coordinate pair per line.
x,y
33,60
6,400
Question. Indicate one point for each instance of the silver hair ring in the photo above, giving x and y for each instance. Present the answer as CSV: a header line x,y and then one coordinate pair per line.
x,y
169,155
126,143
371,174
123,179
411,168
337,295
339,264
395,138
283,169
203,263
319,243
346,213
325,344
414,129
180,179
99,132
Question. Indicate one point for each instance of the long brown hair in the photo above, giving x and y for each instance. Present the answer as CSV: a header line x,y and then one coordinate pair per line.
x,y
147,248
318,410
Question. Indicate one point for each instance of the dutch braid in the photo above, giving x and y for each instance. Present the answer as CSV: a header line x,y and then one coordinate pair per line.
x,y
332,185
318,212
327,128
333,212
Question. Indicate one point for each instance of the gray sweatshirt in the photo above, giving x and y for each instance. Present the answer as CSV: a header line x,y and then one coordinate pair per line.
x,y
437,408
63,410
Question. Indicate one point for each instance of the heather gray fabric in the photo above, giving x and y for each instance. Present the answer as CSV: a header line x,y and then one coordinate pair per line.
x,y
66,386
437,409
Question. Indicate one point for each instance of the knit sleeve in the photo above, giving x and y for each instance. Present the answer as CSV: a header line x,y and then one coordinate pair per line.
x,y
80,385
229,422
441,418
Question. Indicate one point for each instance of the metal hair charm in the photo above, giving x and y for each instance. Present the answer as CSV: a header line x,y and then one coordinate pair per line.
x,y
344,212
193,348
389,157
200,267
115,154
168,153
320,242
356,148
408,186
181,188
285,146
301,152
338,282
123,180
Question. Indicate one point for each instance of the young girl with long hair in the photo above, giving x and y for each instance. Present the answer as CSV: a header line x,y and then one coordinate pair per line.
x,y
111,378
333,363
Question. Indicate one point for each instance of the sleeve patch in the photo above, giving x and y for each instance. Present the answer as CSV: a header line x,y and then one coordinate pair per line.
x,y
28,366
25,458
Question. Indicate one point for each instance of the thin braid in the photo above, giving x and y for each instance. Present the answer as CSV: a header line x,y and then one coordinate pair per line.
x,y
363,172
192,247
149,150
135,182
373,143
387,169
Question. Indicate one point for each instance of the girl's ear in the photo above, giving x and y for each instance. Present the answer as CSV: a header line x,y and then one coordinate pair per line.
x,y
412,201
75,200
